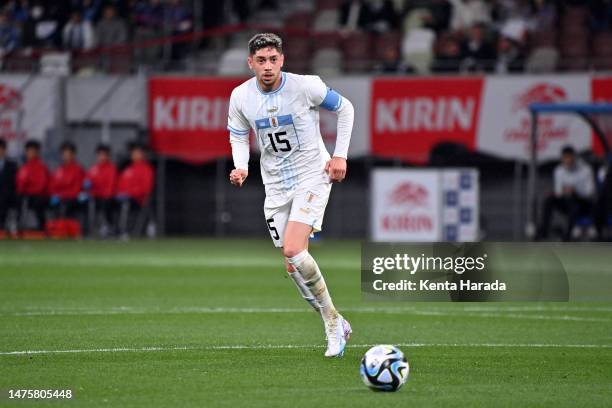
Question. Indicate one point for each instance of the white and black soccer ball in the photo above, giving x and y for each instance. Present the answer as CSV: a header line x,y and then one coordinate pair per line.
x,y
384,368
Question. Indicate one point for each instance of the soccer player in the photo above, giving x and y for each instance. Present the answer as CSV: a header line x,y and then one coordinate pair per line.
x,y
297,171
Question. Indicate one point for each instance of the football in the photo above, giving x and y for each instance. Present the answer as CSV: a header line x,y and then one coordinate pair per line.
x,y
384,368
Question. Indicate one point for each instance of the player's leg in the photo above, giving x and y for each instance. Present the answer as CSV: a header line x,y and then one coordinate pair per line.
x,y
295,249
306,215
277,215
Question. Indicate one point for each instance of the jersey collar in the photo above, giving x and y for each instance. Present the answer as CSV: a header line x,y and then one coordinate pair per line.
x,y
283,80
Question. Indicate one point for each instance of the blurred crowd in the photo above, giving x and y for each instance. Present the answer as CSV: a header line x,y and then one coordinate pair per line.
x,y
389,36
70,200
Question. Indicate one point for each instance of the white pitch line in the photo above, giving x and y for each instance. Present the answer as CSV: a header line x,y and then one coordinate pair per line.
x,y
294,346
267,262
220,310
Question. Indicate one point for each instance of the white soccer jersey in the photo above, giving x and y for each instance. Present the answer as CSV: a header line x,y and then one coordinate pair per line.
x,y
286,126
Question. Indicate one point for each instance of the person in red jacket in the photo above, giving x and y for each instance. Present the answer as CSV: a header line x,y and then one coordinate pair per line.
x,y
134,186
66,183
32,185
101,184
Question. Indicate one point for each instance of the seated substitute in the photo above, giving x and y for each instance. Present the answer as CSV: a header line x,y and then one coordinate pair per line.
x,y
66,183
574,188
134,187
32,185
101,183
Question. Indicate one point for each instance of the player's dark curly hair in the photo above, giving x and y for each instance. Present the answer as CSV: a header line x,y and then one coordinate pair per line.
x,y
264,40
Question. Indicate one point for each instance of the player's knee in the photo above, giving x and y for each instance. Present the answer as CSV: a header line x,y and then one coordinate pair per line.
x,y
289,251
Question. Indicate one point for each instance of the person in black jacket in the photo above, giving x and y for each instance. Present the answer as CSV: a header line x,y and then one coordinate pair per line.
x,y
8,196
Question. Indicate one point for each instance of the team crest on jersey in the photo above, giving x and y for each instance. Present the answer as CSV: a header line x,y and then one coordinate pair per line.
x,y
274,121
273,109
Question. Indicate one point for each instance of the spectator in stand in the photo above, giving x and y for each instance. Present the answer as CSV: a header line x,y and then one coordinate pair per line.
x,y
478,52
510,57
90,10
66,183
101,183
9,35
178,21
391,62
148,19
383,16
448,57
19,10
354,15
574,189
40,29
134,186
78,34
8,193
111,29
32,184
600,15
466,13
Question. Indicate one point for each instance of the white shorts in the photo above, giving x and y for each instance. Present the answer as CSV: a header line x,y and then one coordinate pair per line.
x,y
305,205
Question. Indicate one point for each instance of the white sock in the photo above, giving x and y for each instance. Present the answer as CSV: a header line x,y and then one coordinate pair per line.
x,y
303,289
305,264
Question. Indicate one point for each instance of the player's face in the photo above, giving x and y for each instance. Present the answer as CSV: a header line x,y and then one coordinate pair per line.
x,y
267,64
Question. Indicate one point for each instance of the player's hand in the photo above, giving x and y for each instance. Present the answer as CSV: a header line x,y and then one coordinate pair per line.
x,y
336,169
238,176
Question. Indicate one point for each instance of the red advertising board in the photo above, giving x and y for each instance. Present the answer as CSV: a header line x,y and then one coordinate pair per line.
x,y
601,91
188,116
408,117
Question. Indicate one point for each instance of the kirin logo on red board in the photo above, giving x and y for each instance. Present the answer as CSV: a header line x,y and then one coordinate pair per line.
x,y
549,127
408,117
11,112
409,194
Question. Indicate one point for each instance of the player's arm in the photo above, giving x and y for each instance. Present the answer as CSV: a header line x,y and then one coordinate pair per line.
x,y
333,101
238,127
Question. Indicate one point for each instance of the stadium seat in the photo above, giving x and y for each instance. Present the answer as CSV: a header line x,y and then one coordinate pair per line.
x,y
301,20
543,39
327,62
326,21
574,52
326,40
602,51
542,59
268,18
357,52
233,62
383,41
298,51
328,4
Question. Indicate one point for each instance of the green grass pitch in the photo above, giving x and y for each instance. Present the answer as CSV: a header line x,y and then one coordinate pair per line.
x,y
216,323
